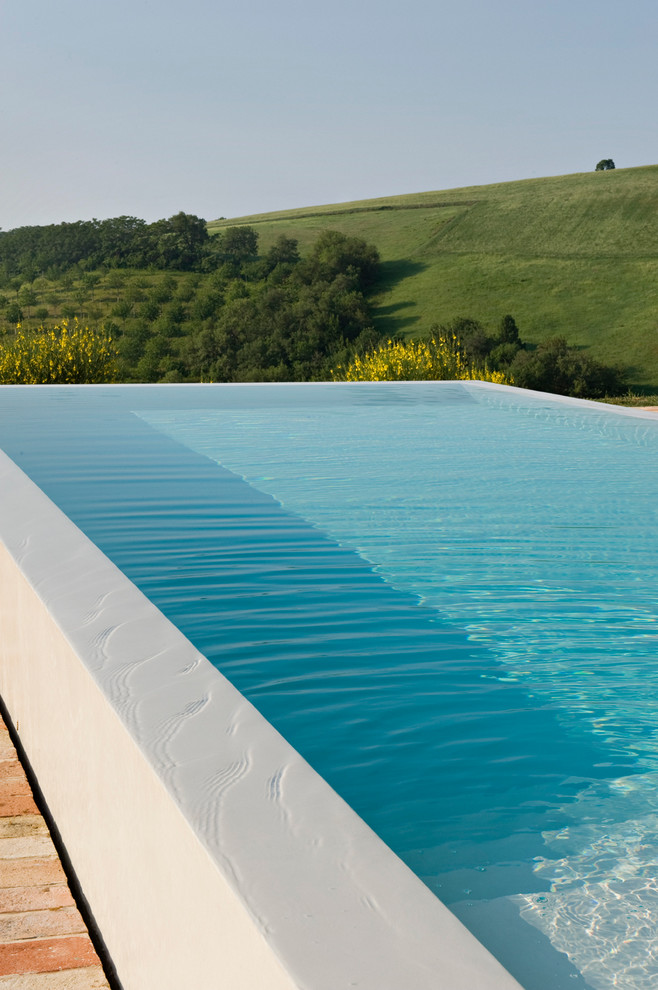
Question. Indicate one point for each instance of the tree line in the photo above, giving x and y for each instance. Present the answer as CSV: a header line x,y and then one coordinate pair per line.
x,y
179,243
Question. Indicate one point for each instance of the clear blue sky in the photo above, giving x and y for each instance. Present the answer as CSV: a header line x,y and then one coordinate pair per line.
x,y
149,107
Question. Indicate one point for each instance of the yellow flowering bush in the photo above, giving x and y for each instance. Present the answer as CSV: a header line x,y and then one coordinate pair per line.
x,y
62,355
439,359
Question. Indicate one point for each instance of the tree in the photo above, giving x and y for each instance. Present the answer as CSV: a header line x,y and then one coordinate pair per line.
x,y
122,309
555,367
90,280
508,332
178,242
605,165
27,298
472,336
81,296
238,244
115,280
334,253
284,251
14,313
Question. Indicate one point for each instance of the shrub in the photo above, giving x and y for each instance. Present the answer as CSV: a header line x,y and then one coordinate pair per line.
x,y
58,356
555,367
438,359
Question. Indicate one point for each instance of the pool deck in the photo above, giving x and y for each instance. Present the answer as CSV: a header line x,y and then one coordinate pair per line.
x,y
44,942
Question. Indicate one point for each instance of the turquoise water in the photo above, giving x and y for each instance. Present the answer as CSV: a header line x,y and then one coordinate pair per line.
x,y
442,595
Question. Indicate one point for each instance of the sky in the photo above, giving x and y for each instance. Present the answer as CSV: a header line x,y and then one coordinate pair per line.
x,y
149,107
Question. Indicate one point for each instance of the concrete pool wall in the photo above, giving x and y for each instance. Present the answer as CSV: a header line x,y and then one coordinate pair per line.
x,y
210,853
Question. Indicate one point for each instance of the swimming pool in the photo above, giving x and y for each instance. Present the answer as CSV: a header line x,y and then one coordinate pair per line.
x,y
443,595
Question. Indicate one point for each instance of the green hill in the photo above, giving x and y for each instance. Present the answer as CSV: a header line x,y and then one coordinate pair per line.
x,y
575,255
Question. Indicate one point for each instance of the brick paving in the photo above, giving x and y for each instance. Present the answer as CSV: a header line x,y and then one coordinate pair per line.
x,y
44,943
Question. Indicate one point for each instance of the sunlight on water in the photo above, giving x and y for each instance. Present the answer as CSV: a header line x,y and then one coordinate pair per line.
x,y
603,901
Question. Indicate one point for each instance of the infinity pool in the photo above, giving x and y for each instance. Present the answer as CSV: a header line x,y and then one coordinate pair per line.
x,y
443,595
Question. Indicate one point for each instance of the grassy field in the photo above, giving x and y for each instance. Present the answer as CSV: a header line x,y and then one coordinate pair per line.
x,y
575,255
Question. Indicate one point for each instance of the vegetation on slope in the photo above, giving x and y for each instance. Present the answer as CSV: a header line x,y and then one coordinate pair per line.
x,y
288,296
572,256
230,314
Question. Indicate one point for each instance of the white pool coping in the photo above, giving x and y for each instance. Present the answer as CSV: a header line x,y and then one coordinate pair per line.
x,y
210,852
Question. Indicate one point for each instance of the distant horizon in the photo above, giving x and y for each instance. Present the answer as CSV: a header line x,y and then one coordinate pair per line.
x,y
142,109
322,203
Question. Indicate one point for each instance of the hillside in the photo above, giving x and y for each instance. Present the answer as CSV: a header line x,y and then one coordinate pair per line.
x,y
575,255
179,305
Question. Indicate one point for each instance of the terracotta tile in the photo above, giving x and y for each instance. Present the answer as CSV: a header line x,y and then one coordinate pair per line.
x,y
47,955
27,846
30,872
17,803
40,924
92,978
11,768
15,785
43,939
35,898
7,751
14,828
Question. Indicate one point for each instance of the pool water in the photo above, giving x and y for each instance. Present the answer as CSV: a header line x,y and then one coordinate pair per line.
x,y
443,595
